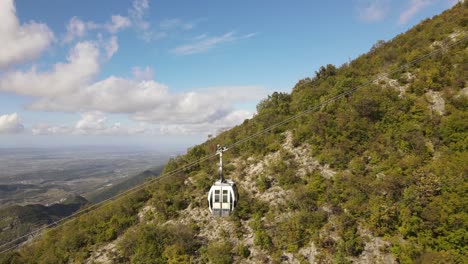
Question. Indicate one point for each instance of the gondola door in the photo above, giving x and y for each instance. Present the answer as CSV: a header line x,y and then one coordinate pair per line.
x,y
217,204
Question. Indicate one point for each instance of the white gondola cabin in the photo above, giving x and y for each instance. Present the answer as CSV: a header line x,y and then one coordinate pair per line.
x,y
223,196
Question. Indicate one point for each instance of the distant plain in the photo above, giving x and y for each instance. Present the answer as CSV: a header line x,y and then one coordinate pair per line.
x,y
49,175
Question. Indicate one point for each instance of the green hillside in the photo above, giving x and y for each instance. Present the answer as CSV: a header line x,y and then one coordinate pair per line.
x,y
376,176
16,220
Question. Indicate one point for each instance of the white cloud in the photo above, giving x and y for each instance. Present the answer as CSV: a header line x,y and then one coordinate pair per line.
x,y
10,124
46,129
373,10
137,14
64,78
152,102
112,95
139,9
92,123
147,31
20,43
414,7
232,119
204,111
118,23
205,43
77,29
200,106
71,87
95,123
144,74
145,101
111,47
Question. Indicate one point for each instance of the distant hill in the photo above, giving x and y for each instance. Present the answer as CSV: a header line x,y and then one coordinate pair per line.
x,y
16,220
376,176
126,184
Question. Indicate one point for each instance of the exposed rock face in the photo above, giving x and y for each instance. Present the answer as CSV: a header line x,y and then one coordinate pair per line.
x,y
309,252
455,35
307,164
374,250
387,82
105,254
464,91
436,102
144,212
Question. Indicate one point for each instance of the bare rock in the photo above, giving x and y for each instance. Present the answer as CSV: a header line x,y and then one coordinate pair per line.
x,y
387,82
436,102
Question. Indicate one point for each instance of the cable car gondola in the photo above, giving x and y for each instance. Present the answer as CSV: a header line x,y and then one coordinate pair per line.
x,y
223,196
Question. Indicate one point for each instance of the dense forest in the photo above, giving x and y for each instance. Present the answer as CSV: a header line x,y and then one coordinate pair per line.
x,y
378,175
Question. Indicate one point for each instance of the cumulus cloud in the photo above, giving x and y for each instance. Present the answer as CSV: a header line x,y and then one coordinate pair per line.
x,y
77,28
46,129
232,119
204,43
118,23
138,14
70,87
95,123
373,10
64,78
203,111
144,74
92,123
10,124
152,102
414,7
111,47
148,32
111,95
139,8
20,43
200,106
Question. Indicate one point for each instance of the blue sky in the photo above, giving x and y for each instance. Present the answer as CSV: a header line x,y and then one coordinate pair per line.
x,y
165,74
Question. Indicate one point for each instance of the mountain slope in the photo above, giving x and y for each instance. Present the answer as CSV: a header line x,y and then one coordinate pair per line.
x,y
16,220
378,175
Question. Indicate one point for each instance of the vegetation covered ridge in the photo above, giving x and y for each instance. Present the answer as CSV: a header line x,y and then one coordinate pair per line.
x,y
378,176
